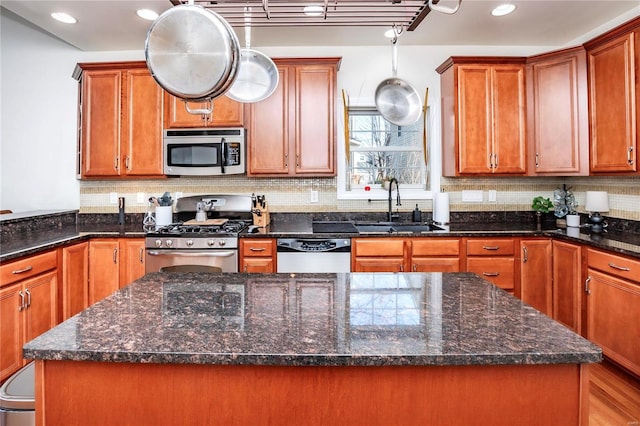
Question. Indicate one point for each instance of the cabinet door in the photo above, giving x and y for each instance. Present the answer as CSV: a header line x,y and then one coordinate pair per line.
x,y
40,314
101,123
104,269
259,265
226,113
536,275
378,264
557,110
612,318
10,330
508,119
474,119
141,139
314,120
75,279
613,104
567,284
270,131
131,259
435,264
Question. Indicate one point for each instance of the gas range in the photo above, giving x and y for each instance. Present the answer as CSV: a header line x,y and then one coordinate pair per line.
x,y
193,236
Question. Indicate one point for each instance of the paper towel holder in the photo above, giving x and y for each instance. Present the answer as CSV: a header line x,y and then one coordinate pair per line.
x,y
441,215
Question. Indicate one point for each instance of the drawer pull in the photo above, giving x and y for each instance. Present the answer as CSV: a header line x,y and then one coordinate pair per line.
x,y
22,271
491,274
493,248
620,268
257,248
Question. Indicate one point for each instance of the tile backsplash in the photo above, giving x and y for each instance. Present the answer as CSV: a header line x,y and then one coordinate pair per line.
x,y
292,194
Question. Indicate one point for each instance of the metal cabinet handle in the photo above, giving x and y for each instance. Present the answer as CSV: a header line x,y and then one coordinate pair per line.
x,y
495,163
492,248
491,274
586,285
537,160
629,156
286,160
491,160
401,268
415,268
244,269
257,249
525,254
620,268
23,270
28,293
298,160
21,306
116,163
141,255
127,162
115,255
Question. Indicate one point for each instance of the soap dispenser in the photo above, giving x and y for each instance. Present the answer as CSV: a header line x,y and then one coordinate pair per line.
x,y
417,215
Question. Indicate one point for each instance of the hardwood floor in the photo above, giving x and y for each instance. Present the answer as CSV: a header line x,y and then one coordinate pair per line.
x,y
614,397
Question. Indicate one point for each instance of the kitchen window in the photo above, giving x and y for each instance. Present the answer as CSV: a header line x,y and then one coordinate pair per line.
x,y
379,150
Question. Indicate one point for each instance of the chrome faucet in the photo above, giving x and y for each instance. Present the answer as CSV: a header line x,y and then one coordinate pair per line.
x,y
397,196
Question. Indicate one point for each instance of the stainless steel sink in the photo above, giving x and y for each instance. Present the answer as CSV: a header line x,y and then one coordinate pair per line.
x,y
383,228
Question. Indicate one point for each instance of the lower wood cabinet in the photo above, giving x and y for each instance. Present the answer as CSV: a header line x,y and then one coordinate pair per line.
x,y
536,274
74,282
379,255
106,255
435,255
567,284
494,260
258,255
28,306
612,291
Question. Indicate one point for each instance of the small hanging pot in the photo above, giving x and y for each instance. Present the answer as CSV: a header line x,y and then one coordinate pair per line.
x,y
193,53
396,99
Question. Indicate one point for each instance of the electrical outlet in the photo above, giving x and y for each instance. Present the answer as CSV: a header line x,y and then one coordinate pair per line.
x,y
140,198
113,198
313,197
493,195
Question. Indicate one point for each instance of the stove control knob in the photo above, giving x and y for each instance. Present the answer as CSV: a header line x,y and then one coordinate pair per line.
x,y
189,243
222,243
169,243
158,243
211,243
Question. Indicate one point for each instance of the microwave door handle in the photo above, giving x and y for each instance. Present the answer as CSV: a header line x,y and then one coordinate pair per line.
x,y
224,156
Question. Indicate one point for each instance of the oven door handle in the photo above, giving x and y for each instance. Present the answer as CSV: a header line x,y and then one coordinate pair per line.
x,y
211,253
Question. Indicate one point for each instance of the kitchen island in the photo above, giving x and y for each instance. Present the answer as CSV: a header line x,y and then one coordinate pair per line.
x,y
311,349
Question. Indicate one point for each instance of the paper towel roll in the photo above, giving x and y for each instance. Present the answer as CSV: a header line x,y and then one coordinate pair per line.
x,y
441,207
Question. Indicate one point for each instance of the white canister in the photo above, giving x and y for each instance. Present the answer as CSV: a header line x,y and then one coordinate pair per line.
x,y
573,220
164,215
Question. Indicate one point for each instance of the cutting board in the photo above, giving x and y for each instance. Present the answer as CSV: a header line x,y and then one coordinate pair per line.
x,y
207,222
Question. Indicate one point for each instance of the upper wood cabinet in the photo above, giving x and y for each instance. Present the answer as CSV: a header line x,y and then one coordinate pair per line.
x,y
557,113
120,107
614,88
226,113
292,132
483,116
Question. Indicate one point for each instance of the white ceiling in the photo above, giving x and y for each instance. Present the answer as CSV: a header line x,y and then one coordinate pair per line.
x,y
113,25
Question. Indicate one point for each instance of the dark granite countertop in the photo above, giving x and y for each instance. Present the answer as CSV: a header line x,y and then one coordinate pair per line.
x,y
357,319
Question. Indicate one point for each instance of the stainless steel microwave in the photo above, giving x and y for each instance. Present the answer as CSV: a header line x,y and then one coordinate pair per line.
x,y
204,152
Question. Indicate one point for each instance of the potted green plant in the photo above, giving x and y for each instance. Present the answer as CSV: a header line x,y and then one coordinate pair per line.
x,y
541,205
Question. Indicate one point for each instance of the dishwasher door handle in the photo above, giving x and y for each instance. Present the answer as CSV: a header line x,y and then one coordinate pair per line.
x,y
212,253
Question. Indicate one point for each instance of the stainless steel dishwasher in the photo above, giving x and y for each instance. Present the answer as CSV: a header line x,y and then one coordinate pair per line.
x,y
314,255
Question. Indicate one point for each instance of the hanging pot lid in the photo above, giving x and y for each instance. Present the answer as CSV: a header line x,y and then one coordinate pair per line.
x,y
192,52
257,75
396,99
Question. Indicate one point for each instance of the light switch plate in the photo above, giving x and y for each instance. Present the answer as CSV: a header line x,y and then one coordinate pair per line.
x,y
140,198
113,198
493,195
472,196
313,197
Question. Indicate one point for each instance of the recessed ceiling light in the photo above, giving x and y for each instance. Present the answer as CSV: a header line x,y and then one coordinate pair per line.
x,y
64,17
147,14
503,9
313,10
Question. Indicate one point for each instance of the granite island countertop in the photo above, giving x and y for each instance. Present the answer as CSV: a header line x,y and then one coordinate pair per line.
x,y
356,319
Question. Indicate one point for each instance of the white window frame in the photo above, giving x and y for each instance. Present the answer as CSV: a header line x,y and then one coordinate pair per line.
x,y
379,193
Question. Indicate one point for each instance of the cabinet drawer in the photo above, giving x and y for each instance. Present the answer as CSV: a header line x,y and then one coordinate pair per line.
x,y
435,247
378,247
258,248
491,247
500,271
615,265
29,267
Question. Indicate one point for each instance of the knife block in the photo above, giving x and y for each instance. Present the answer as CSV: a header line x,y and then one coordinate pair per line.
x,y
261,217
